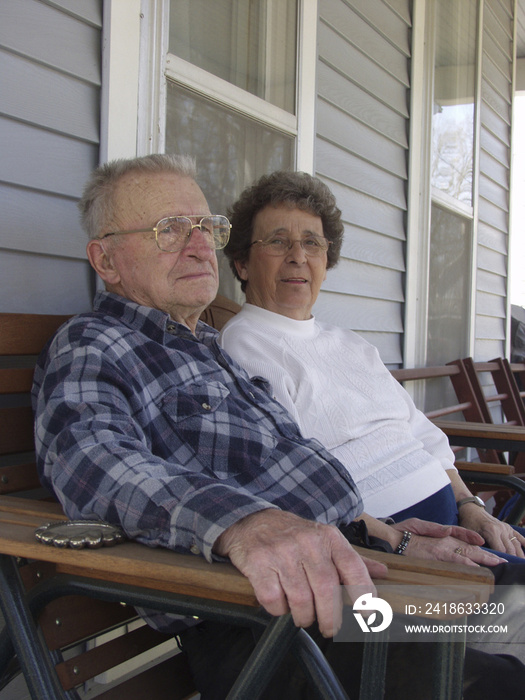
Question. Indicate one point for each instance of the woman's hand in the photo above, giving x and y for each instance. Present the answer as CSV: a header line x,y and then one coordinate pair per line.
x,y
446,543
497,534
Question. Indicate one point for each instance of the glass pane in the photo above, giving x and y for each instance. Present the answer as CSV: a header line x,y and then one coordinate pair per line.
x,y
250,43
449,284
454,89
231,152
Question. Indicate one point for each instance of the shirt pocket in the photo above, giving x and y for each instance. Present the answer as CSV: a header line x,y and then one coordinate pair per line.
x,y
194,400
206,419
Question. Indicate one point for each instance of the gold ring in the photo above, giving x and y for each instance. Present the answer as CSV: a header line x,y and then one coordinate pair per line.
x,y
458,550
513,538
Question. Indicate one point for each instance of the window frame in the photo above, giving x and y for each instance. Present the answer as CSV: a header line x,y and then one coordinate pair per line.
x,y
420,191
156,66
121,38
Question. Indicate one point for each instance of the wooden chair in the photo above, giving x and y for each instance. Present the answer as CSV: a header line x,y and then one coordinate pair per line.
x,y
77,596
220,312
499,402
518,372
507,378
494,389
464,422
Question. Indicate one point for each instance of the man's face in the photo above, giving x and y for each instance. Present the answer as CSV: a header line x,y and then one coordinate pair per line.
x,y
181,283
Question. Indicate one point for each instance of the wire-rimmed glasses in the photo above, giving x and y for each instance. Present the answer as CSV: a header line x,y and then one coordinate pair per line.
x,y
280,245
172,233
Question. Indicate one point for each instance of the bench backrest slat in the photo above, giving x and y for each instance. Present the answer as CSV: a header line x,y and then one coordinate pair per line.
x,y
26,334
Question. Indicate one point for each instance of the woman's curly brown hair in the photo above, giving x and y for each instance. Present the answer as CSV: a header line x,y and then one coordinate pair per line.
x,y
296,189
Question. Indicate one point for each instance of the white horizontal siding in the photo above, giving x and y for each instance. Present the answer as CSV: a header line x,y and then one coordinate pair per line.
x,y
357,279
493,304
369,179
491,238
26,228
40,284
367,211
490,328
89,12
494,180
492,283
46,35
78,115
351,63
50,57
39,159
360,30
373,248
364,107
384,320
361,153
338,127
492,261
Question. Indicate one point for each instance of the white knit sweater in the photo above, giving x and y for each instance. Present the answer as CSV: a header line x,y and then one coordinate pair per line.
x,y
338,390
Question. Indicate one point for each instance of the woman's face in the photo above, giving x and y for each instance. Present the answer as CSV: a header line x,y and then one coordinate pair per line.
x,y
287,284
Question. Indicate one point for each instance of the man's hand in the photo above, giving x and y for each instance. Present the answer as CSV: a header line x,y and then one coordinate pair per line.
x,y
497,534
298,566
446,543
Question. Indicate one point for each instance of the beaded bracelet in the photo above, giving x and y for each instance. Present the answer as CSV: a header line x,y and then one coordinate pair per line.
x,y
404,542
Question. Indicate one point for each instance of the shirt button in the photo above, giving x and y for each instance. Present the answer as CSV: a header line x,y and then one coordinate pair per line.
x,y
206,406
194,549
171,327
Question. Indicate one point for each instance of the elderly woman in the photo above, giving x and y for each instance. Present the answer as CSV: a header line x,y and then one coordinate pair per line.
x,y
286,233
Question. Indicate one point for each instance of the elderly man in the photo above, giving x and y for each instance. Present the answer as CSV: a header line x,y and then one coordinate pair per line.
x,y
141,421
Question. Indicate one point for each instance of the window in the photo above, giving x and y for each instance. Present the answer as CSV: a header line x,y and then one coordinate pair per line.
x,y
449,284
232,94
249,43
451,179
453,103
231,148
443,186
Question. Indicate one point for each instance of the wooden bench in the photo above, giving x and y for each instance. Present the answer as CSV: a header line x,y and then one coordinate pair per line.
x,y
518,372
505,391
77,595
462,408
464,422
72,623
495,387
493,390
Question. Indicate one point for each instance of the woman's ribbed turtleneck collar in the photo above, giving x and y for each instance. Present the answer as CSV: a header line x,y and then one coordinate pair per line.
x,y
303,329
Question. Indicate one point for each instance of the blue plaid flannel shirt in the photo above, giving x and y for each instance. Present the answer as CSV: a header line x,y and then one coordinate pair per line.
x,y
143,424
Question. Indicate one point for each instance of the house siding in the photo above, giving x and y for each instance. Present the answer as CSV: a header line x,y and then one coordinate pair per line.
x,y
361,154
494,180
50,54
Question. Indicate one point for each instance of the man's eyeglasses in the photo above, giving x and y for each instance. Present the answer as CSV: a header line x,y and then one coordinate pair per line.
x,y
173,232
280,245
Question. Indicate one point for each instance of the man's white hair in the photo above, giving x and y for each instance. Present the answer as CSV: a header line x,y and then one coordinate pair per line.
x,y
97,202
